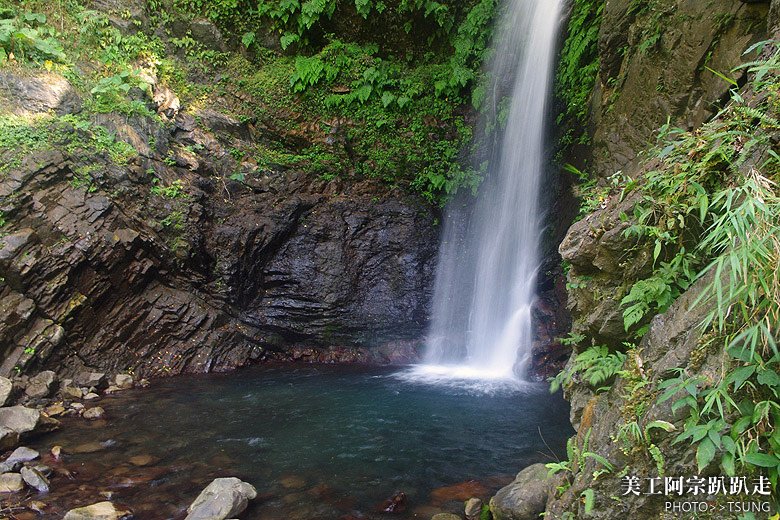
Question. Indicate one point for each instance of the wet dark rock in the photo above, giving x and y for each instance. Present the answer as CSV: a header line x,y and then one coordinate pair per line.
x,y
223,498
525,498
35,479
99,511
459,492
445,516
394,504
283,259
8,438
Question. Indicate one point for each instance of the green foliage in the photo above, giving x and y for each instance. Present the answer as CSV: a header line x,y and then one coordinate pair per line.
x,y
594,366
575,462
578,67
655,294
173,190
76,134
26,37
716,195
110,94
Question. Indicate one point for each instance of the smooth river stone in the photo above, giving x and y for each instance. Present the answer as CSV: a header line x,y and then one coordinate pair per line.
x,y
11,483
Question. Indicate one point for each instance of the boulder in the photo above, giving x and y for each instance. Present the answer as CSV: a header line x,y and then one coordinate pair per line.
x,y
71,392
91,379
93,413
222,499
42,384
25,420
35,479
123,381
6,386
11,483
523,499
99,511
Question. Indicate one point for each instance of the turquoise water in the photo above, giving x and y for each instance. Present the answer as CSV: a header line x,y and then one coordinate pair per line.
x,y
316,441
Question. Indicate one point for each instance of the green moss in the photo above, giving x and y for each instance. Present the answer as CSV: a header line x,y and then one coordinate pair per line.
x,y
578,68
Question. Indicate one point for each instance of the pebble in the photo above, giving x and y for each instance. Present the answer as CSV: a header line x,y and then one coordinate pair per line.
x,y
90,396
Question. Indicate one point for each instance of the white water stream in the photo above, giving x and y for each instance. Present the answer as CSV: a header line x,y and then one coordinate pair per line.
x,y
486,277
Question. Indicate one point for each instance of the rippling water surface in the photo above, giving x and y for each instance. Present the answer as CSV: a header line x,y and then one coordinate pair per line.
x,y
316,442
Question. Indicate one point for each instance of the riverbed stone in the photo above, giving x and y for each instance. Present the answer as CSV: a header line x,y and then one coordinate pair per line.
x,y
445,516
123,381
41,385
25,420
11,483
35,479
91,379
6,387
90,396
99,511
222,499
71,392
22,454
523,499
94,413
473,508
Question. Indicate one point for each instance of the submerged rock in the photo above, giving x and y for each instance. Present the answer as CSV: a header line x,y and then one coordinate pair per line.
x,y
223,498
523,499
445,516
94,413
99,511
394,504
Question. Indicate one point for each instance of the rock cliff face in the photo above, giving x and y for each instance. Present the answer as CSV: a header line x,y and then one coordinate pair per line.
x,y
605,263
166,265
653,66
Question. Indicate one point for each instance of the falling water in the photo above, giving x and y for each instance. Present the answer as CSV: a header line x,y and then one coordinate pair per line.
x,y
486,276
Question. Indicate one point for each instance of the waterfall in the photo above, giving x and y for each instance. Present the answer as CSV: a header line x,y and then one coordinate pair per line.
x,y
489,256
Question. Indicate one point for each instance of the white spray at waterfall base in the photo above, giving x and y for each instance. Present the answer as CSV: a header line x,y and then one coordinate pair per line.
x,y
486,278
